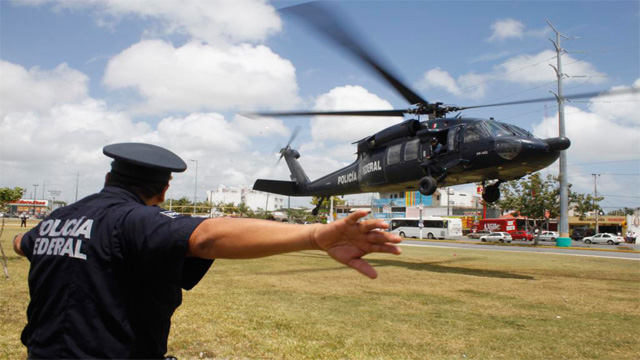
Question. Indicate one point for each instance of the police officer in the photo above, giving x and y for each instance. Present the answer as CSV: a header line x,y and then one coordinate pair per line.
x,y
107,272
436,147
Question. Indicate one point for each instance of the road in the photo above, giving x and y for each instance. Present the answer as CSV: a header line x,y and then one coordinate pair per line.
x,y
577,248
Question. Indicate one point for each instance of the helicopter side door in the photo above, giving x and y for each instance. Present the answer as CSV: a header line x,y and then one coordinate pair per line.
x,y
476,143
403,161
451,149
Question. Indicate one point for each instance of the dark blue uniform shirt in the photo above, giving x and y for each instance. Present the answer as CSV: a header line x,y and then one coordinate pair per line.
x,y
106,276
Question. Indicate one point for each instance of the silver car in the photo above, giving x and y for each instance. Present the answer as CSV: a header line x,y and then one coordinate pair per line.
x,y
603,238
478,234
497,236
548,236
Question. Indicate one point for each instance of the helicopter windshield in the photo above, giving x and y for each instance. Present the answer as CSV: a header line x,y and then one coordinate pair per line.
x,y
497,130
519,131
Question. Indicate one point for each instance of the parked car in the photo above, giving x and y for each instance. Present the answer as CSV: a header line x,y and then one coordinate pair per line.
x,y
604,238
497,236
521,235
580,233
478,234
548,236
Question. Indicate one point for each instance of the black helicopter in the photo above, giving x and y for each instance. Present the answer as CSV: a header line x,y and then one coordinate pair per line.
x,y
400,157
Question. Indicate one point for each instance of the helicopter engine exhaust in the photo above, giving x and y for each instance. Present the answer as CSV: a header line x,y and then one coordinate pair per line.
x,y
405,128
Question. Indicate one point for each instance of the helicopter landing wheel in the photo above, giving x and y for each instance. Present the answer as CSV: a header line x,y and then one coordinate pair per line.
x,y
491,194
428,185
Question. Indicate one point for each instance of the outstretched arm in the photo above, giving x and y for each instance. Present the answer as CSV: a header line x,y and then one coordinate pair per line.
x,y
16,245
346,240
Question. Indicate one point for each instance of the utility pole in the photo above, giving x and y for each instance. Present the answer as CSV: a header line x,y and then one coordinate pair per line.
x,y
77,183
595,195
563,225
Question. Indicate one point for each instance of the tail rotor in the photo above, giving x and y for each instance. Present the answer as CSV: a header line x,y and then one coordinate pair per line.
x,y
284,150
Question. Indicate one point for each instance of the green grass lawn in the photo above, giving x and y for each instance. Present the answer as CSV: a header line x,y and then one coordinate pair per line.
x,y
429,303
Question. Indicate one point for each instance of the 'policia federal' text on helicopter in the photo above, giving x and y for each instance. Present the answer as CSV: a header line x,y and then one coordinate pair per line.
x,y
401,157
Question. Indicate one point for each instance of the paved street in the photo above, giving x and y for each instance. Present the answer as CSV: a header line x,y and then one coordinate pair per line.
x,y
578,248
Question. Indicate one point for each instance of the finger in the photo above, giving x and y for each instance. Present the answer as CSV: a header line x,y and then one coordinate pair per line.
x,y
386,248
381,237
373,224
363,267
355,216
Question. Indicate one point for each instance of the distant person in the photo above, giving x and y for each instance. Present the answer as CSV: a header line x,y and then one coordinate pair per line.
x,y
107,272
634,237
23,220
436,147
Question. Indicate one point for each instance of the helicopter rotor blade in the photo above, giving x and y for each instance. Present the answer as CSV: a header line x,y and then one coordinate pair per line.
x,y
328,24
294,135
336,113
553,98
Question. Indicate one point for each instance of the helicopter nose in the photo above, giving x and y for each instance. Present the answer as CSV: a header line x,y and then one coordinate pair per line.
x,y
558,143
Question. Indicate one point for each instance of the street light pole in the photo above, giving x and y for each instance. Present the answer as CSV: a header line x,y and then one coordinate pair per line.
x,y
595,195
195,188
35,186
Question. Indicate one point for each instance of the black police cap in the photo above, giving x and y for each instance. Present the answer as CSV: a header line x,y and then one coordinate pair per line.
x,y
144,161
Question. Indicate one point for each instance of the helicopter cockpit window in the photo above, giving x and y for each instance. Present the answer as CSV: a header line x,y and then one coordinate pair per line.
x,y
497,129
411,150
475,132
519,131
393,154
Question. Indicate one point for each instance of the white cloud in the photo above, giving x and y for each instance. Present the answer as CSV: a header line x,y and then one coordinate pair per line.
x,y
606,132
623,109
212,21
535,69
506,29
469,85
38,89
260,127
197,77
349,128
438,78
58,142
525,70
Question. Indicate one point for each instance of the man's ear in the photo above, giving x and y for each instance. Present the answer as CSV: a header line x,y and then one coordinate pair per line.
x,y
163,194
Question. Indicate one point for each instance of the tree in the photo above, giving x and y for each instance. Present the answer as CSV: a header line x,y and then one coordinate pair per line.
x,y
9,195
324,209
539,199
180,205
586,203
244,210
622,212
530,197
298,216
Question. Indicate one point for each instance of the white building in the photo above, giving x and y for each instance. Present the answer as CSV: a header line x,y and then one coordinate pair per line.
x,y
254,200
457,198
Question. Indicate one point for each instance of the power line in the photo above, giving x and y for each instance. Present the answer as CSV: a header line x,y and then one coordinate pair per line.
x,y
607,174
605,162
622,196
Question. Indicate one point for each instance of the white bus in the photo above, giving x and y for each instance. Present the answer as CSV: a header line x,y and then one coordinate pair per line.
x,y
433,227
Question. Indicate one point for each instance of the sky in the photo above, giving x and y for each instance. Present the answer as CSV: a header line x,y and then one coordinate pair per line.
x,y
78,75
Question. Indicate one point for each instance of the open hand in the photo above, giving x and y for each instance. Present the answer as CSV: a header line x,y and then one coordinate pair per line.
x,y
348,240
